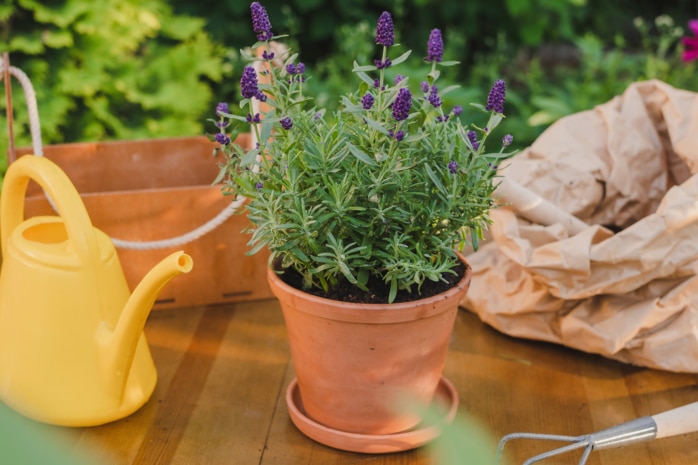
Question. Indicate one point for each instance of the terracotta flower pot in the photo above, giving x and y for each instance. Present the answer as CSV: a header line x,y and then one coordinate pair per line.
x,y
353,361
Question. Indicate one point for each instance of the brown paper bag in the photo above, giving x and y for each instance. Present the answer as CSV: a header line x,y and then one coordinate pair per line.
x,y
626,286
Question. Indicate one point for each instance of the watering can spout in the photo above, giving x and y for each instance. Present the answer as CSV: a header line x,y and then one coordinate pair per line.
x,y
120,343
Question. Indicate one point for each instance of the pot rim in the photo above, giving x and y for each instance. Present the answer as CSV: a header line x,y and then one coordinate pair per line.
x,y
376,313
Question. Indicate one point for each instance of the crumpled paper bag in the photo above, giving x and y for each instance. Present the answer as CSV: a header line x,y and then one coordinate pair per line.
x,y
626,285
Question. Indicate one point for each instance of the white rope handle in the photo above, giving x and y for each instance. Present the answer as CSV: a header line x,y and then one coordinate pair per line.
x,y
35,127
30,97
205,228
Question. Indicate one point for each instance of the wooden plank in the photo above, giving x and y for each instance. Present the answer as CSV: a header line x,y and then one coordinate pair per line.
x,y
223,372
238,400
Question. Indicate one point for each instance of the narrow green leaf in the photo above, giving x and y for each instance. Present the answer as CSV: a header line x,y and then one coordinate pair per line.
x,y
358,153
495,119
236,117
291,58
393,290
347,272
265,133
360,68
365,77
437,182
401,58
449,89
433,76
362,278
249,158
377,126
256,248
299,254
219,177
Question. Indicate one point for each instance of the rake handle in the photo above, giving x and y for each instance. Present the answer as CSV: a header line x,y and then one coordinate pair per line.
x,y
680,420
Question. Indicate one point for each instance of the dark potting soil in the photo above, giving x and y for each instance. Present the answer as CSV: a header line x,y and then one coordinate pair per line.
x,y
378,290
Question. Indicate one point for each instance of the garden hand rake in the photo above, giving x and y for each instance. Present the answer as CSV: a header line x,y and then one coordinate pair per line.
x,y
680,420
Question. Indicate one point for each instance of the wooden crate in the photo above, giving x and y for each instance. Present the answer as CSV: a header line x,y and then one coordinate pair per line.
x,y
158,189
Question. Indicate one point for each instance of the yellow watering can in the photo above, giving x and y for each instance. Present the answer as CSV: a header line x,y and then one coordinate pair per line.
x,y
72,348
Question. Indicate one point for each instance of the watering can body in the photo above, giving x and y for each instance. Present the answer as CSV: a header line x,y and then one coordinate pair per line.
x,y
72,347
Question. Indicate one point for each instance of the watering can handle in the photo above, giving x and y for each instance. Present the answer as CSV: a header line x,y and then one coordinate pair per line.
x,y
58,187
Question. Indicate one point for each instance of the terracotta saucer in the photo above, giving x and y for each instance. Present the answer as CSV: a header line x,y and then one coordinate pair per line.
x,y
369,444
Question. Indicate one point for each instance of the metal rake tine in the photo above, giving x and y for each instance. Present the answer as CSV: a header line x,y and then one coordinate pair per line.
x,y
638,430
561,450
577,442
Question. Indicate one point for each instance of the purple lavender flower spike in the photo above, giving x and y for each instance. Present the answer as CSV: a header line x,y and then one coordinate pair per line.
x,y
382,64
399,135
222,107
495,100
248,82
268,56
398,79
425,86
260,22
435,46
296,72
259,185
434,98
453,167
402,104
507,140
457,110
286,123
472,136
385,32
367,101
222,139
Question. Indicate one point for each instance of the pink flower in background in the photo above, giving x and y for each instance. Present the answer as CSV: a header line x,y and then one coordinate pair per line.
x,y
690,44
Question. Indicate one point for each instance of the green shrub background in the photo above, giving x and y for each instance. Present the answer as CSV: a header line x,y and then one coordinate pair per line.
x,y
130,69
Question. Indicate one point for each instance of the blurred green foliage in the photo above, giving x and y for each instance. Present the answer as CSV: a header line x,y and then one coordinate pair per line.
x,y
126,69
463,441
108,69
26,442
557,56
604,71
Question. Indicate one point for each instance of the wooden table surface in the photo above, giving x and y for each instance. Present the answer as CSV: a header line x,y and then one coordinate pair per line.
x,y
223,372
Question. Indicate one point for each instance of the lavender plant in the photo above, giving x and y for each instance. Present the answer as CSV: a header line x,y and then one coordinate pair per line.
x,y
381,191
